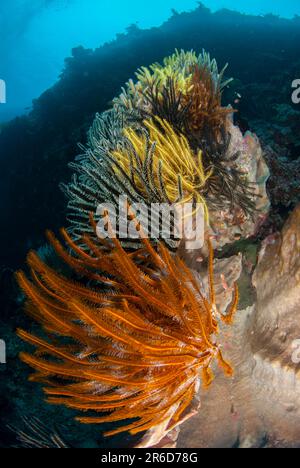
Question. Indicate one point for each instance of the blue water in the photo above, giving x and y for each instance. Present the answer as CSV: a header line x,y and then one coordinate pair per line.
x,y
36,35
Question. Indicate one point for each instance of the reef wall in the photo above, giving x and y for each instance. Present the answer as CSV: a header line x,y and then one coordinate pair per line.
x,y
35,150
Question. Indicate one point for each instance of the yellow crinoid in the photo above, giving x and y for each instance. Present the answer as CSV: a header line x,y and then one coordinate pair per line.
x,y
163,159
177,69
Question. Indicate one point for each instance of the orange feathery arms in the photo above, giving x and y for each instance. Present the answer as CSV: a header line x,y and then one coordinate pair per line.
x,y
137,333
205,113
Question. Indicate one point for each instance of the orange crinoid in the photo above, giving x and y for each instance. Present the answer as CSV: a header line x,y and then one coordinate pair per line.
x,y
206,114
131,338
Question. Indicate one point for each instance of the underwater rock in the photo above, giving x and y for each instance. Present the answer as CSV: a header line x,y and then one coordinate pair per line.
x,y
160,436
283,185
259,406
277,280
227,272
283,188
231,224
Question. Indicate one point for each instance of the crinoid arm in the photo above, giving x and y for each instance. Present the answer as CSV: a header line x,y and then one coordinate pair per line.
x,y
127,344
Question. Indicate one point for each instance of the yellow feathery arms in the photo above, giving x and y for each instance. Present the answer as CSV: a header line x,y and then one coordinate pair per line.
x,y
177,67
160,77
136,333
174,167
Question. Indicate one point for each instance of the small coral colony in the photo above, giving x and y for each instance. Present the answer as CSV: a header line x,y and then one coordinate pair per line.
x,y
128,330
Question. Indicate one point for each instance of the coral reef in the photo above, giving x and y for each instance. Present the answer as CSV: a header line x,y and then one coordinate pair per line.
x,y
169,140
47,137
259,405
283,185
264,61
138,326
